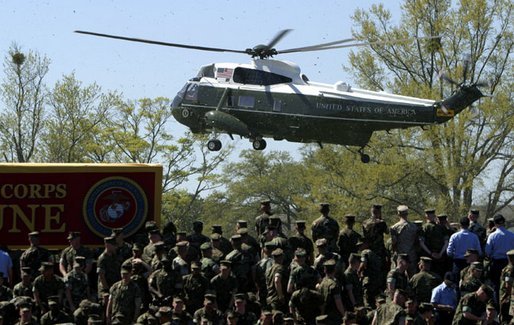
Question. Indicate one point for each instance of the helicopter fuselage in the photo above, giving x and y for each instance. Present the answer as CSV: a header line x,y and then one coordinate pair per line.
x,y
272,99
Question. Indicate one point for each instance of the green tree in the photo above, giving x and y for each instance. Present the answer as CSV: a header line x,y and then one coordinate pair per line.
x,y
24,96
449,161
77,114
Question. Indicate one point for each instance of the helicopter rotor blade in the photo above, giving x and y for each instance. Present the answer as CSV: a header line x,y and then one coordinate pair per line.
x,y
444,76
314,47
322,48
467,61
278,37
141,40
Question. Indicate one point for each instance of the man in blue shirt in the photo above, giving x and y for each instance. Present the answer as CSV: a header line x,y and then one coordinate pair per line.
x,y
444,299
458,244
498,244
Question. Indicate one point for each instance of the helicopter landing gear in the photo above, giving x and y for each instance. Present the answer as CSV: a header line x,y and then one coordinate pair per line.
x,y
364,157
259,144
214,145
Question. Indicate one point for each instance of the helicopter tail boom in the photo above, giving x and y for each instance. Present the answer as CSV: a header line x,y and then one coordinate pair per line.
x,y
463,98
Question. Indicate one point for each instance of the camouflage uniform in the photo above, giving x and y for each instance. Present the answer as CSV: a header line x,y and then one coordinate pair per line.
x,y
261,223
58,317
69,253
46,288
478,230
390,314
307,304
21,289
404,235
195,286
78,283
398,279
422,284
224,289
164,282
302,241
434,237
370,281
471,304
507,279
272,298
124,251
209,267
330,289
123,300
353,283
109,265
215,317
373,230
32,257
347,242
328,228
5,293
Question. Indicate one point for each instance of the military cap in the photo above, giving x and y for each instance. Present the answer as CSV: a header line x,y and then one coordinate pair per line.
x,y
240,296
425,306
488,290
46,266
402,209
182,243
159,246
270,245
242,223
265,202
402,292
25,309
490,305
126,268
404,257
215,236
236,237
359,242
426,259
349,217
26,270
226,263
34,234
110,240
510,253
430,211
216,229
277,252
470,251
73,235
210,296
137,247
181,233
354,256
477,265
300,222
163,311
195,265
474,211
150,225
418,222
288,319
377,206
205,246
242,231
53,300
178,299
300,252
197,223
116,231
442,216
321,242
330,262
321,318
499,219
154,231
324,204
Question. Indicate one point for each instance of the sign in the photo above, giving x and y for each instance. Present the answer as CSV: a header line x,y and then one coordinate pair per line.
x,y
55,199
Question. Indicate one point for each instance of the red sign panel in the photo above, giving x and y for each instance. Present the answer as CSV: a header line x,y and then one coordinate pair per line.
x,y
55,199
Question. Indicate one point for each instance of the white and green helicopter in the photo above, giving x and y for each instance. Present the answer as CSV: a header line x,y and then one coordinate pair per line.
x,y
269,98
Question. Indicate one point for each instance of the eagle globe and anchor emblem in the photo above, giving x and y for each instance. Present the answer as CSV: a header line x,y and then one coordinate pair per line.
x,y
115,202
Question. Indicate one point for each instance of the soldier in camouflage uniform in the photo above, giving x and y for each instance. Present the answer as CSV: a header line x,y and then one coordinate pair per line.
x,y
397,278
124,299
433,240
301,272
108,266
195,286
369,268
472,280
262,221
354,292
305,303
330,290
196,238
47,284
55,315
472,307
24,288
404,237
326,227
300,240
242,263
34,255
276,282
223,243
424,281
5,292
373,230
348,238
209,312
225,285
76,284
392,312
209,268
75,249
84,310
154,236
162,282
123,249
475,227
506,292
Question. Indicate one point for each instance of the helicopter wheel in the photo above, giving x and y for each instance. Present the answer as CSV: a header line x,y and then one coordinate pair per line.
x,y
365,158
214,145
259,144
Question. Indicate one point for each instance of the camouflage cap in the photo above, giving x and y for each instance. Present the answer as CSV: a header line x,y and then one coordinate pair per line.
x,y
510,253
205,246
242,231
46,266
110,240
426,259
470,251
242,223
402,209
73,235
321,242
300,252
277,252
477,266
34,234
488,290
116,231
430,211
215,236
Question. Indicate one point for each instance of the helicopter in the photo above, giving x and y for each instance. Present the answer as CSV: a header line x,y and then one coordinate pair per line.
x,y
269,98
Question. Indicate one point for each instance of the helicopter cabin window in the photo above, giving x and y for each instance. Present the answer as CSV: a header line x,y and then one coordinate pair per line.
x,y
246,101
277,105
258,77
206,71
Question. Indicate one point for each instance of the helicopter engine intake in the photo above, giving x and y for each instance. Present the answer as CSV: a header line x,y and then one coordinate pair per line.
x,y
226,122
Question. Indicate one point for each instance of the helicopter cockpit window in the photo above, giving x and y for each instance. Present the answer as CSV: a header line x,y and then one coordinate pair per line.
x,y
206,71
258,77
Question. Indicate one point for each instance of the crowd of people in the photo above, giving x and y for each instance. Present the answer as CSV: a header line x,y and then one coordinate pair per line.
x,y
422,272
